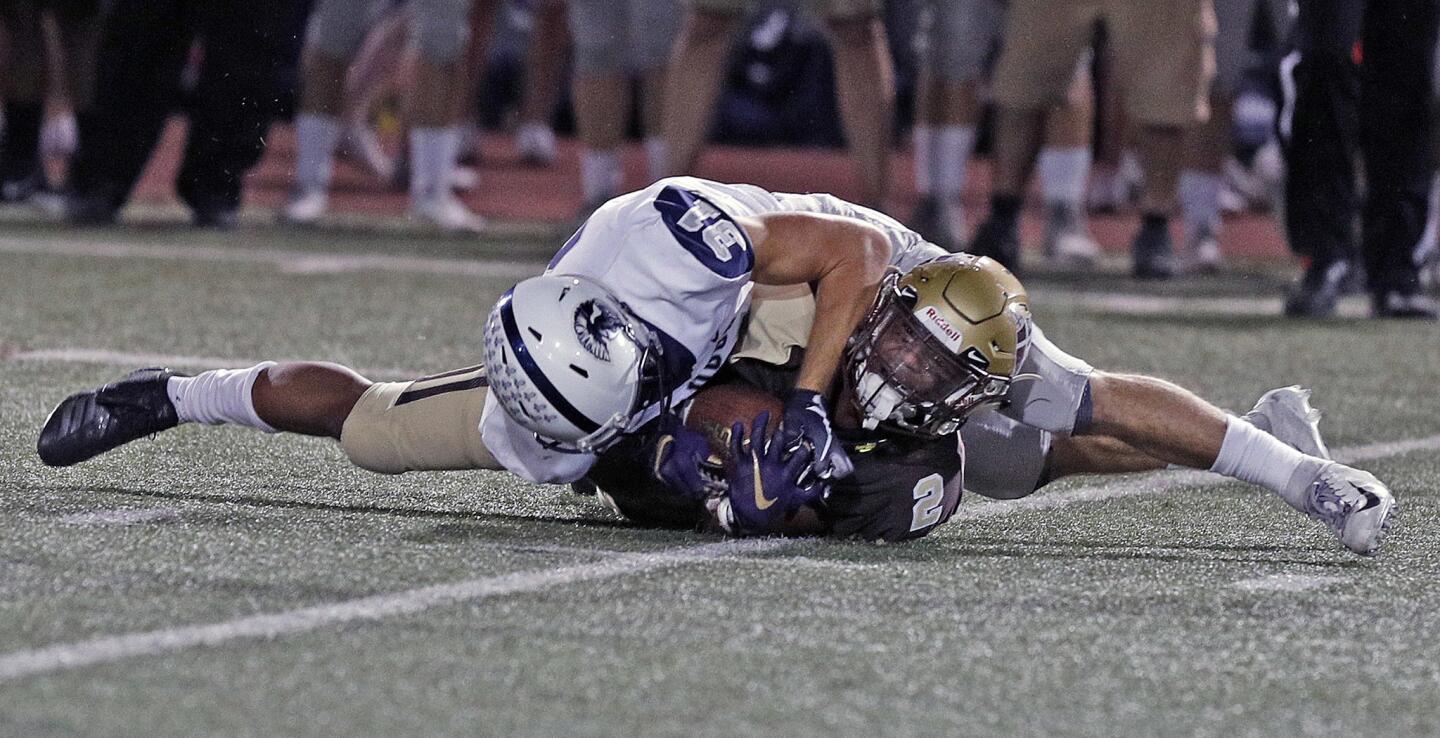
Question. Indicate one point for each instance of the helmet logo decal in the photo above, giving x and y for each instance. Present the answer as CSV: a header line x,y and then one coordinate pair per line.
x,y
942,328
595,325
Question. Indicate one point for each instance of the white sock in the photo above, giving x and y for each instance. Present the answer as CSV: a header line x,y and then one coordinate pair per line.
x,y
316,137
1064,174
922,136
218,396
1199,193
950,155
599,175
1252,455
433,152
655,153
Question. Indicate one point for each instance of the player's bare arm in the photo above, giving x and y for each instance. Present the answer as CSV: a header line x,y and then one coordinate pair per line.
x,y
844,258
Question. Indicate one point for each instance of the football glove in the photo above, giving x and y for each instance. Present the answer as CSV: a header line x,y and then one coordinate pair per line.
x,y
807,423
678,460
764,480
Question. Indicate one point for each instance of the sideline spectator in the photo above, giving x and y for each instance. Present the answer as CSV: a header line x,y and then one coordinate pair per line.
x,y
144,46
1164,61
440,33
544,76
1380,107
959,41
864,83
612,42
1208,145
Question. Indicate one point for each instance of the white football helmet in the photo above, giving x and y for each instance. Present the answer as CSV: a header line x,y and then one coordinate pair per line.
x,y
569,361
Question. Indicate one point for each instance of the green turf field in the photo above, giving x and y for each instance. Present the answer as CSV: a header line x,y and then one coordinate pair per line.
x,y
219,581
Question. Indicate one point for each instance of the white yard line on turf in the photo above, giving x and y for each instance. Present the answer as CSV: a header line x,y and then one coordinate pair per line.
x,y
286,260
1287,583
122,516
105,649
1138,304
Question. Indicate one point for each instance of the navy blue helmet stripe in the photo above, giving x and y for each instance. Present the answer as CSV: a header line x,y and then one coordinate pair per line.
x,y
537,377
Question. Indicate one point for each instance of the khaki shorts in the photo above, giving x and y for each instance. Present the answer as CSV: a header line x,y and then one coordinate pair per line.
x,y
430,424
829,9
1164,53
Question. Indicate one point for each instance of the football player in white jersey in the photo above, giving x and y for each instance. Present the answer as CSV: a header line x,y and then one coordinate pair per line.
x,y
637,310
661,332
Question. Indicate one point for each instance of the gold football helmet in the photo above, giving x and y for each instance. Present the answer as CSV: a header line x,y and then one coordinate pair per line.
x,y
941,340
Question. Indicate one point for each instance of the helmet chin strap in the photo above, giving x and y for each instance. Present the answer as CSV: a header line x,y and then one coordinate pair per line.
x,y
878,399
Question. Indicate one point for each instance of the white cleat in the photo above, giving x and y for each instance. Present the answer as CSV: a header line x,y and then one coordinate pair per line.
x,y
1353,503
447,213
535,143
1286,414
305,207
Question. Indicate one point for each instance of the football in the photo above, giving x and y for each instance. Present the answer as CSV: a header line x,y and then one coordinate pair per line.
x,y
713,410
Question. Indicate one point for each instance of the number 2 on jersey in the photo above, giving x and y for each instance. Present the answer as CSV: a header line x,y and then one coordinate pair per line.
x,y
929,495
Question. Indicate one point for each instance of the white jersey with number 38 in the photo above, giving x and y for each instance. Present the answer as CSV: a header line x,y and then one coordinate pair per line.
x,y
674,253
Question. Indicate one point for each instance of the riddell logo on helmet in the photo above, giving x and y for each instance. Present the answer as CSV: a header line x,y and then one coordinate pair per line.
x,y
940,327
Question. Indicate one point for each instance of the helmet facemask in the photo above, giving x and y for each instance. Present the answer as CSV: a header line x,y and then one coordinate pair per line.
x,y
908,378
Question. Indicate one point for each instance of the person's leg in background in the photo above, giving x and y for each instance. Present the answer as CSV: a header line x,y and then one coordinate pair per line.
x,y
865,87
697,66
1064,168
333,36
440,105
1320,197
1165,58
144,45
601,91
373,75
245,43
1042,42
956,40
653,27
72,32
544,68
23,90
1395,126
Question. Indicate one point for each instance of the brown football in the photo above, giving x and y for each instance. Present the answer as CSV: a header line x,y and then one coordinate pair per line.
x,y
714,409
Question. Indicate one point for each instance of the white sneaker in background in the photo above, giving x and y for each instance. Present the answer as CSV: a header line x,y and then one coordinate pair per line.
x,y
447,213
535,143
305,207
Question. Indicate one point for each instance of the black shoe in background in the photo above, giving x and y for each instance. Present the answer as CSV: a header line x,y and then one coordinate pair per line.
x,y
1152,253
999,239
88,209
1319,289
1402,304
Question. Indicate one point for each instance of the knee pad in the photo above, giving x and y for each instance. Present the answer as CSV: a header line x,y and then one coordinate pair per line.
x,y
1004,459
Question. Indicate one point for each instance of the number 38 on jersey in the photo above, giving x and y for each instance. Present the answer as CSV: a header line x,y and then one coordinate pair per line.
x,y
705,231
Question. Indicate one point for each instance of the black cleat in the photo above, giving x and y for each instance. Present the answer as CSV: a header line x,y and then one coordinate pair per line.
x,y
1319,289
999,239
1403,304
90,423
1152,255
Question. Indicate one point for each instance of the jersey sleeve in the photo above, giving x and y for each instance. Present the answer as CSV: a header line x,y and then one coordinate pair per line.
x,y
517,450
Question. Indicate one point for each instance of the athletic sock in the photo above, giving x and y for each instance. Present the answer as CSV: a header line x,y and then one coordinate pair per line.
x,y
433,151
1064,174
655,155
1252,455
316,137
922,137
218,396
599,175
950,155
1199,193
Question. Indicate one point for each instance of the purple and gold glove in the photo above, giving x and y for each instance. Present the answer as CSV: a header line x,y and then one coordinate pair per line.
x,y
807,423
764,480
677,458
